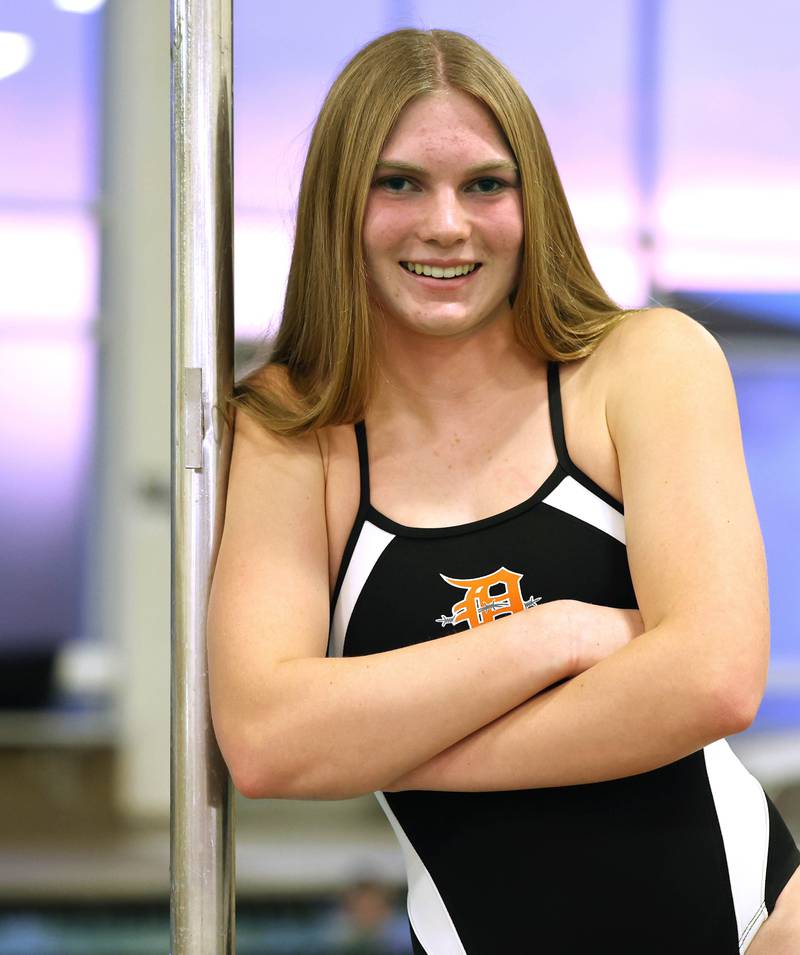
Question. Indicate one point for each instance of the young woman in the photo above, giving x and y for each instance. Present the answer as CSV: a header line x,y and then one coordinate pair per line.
x,y
427,585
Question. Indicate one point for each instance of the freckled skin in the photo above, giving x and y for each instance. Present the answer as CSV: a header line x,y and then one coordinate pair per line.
x,y
443,215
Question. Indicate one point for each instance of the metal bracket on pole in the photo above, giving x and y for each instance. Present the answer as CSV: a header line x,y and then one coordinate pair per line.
x,y
192,417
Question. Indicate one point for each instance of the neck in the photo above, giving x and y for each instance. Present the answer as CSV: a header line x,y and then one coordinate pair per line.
x,y
433,378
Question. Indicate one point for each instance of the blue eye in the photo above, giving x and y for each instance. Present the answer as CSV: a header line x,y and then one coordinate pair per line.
x,y
396,183
393,179
494,182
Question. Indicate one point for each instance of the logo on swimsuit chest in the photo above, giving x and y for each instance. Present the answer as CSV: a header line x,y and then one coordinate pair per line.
x,y
486,598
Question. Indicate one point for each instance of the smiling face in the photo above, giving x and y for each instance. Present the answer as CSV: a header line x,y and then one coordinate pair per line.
x,y
445,192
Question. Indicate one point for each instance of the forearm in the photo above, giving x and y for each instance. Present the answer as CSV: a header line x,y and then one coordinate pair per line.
x,y
644,706
333,728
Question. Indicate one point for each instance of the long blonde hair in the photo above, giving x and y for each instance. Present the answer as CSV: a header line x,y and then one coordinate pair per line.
x,y
326,340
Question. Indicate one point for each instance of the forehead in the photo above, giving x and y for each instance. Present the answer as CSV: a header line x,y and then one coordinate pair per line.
x,y
449,122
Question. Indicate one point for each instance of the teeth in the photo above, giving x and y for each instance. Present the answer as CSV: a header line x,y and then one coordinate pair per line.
x,y
452,271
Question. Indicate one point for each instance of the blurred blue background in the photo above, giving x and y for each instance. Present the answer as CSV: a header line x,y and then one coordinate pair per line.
x,y
675,129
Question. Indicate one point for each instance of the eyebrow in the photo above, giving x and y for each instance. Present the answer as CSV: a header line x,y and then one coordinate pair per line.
x,y
506,164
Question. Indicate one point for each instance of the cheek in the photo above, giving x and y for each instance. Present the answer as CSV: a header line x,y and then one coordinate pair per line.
x,y
384,226
507,228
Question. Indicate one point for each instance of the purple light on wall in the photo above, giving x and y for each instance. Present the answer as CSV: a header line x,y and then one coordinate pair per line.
x,y
49,110
261,266
729,198
48,267
49,251
43,484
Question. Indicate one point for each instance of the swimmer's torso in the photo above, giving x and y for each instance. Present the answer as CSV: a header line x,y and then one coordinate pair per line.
x,y
428,541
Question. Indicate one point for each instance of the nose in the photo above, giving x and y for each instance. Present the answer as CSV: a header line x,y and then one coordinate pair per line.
x,y
445,220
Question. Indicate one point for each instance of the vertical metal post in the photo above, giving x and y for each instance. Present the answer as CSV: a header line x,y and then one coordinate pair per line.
x,y
202,824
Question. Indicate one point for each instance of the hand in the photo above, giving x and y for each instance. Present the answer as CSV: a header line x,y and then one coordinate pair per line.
x,y
596,631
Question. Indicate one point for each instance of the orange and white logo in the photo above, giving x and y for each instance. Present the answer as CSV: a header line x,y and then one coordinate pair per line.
x,y
486,598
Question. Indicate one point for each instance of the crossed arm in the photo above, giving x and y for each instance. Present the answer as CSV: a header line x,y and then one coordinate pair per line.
x,y
638,709
697,562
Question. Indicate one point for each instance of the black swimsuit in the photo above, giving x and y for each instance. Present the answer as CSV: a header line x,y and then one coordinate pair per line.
x,y
686,858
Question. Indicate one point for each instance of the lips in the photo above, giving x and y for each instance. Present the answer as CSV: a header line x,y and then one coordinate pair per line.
x,y
441,270
428,281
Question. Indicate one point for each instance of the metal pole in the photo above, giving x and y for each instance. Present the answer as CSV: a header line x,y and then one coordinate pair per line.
x,y
202,823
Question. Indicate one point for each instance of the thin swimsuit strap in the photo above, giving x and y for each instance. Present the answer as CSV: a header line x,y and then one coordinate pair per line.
x,y
556,426
363,464
556,415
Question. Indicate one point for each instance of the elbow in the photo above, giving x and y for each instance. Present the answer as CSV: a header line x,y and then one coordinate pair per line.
x,y
743,710
265,761
727,683
260,779
245,774
270,773
737,702
244,786
253,771
262,773
252,785
730,715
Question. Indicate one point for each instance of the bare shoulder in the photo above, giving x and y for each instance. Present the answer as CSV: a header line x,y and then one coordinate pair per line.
x,y
271,382
642,341
660,350
659,321
270,470
657,337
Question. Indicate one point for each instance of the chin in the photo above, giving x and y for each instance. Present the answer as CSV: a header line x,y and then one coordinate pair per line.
x,y
448,328
437,326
